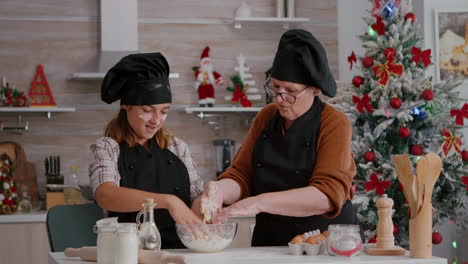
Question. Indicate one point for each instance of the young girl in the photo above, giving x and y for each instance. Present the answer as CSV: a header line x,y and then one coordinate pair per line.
x,y
138,158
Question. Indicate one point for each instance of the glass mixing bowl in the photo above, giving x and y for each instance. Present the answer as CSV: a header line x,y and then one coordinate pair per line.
x,y
207,238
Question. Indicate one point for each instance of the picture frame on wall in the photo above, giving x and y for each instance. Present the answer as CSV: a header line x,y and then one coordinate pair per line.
x,y
451,44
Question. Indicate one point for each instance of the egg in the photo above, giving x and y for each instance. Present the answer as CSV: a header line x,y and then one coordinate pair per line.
x,y
312,240
297,239
320,237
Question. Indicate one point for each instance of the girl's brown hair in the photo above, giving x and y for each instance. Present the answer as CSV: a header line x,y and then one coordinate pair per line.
x,y
120,130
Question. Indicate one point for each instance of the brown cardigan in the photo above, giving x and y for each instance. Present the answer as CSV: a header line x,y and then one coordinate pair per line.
x,y
334,169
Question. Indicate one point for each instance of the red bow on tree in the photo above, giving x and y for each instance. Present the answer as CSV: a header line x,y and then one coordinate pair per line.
x,y
424,56
352,59
378,185
465,181
239,96
379,26
383,71
460,114
450,140
362,103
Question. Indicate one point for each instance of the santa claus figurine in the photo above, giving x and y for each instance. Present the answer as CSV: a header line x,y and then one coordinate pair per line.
x,y
206,78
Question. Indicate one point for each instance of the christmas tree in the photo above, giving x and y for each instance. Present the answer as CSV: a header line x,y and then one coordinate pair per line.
x,y
243,90
396,109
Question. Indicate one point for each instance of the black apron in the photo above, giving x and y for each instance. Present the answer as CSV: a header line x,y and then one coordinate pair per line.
x,y
157,171
285,162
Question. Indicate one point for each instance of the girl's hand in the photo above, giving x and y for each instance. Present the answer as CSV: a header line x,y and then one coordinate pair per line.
x,y
181,213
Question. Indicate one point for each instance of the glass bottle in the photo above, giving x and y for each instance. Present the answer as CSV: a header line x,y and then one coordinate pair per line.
x,y
149,236
105,229
126,244
25,205
344,240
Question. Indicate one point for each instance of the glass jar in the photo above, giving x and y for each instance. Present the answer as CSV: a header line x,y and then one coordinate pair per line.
x,y
105,229
344,240
126,244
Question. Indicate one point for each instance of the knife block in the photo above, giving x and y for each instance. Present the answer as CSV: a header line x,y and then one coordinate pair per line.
x,y
420,233
54,198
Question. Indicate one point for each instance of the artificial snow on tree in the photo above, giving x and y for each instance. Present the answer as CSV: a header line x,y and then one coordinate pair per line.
x,y
206,79
243,90
395,109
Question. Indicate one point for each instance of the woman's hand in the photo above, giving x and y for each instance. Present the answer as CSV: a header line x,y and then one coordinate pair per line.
x,y
246,207
196,207
181,213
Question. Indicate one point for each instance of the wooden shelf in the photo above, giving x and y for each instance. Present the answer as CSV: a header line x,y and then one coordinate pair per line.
x,y
284,20
191,109
95,76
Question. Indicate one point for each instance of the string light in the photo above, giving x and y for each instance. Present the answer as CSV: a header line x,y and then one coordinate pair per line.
x,y
454,244
371,32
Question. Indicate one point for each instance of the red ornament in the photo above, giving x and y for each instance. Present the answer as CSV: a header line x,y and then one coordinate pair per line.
x,y
395,229
372,240
389,52
410,16
417,150
375,183
404,132
395,103
352,59
465,155
367,62
436,238
369,156
465,181
400,187
428,94
357,81
353,188
460,114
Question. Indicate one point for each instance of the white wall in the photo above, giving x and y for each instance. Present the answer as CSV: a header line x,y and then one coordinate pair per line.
x,y
350,25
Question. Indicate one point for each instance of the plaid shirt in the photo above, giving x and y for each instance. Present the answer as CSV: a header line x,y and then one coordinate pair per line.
x,y
105,154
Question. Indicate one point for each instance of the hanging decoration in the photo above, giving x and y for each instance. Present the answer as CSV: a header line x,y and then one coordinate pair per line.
x,y
352,59
379,26
424,56
383,71
451,143
375,183
363,103
460,114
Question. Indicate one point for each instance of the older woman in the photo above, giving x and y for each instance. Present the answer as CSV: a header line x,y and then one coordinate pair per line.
x,y
294,169
138,158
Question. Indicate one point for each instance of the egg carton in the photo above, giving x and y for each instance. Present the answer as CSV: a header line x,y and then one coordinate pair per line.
x,y
308,249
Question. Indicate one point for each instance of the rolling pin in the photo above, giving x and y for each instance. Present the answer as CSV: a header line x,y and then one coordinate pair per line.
x,y
144,256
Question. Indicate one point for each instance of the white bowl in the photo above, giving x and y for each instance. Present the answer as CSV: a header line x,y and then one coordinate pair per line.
x,y
207,238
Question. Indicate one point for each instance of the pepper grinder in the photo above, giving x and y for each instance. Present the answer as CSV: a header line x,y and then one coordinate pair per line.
x,y
385,245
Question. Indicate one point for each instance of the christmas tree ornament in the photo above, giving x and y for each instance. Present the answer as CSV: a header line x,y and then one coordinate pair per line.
x,y
395,229
419,113
375,183
363,103
367,62
369,156
373,240
352,59
404,132
385,230
395,103
428,95
465,155
464,179
451,143
423,56
379,26
357,81
39,92
389,52
206,79
417,150
410,16
389,10
460,114
390,67
436,238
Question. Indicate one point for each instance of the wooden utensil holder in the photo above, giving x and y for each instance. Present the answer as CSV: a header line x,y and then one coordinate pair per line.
x,y
420,233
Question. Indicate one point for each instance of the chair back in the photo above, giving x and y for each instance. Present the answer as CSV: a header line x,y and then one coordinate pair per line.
x,y
72,225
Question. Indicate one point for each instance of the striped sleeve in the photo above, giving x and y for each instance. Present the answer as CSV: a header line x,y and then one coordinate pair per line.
x,y
103,167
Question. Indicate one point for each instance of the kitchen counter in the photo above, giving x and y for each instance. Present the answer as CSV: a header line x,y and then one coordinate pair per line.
x,y
260,255
33,217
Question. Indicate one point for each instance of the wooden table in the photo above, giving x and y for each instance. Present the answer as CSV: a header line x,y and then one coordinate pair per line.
x,y
268,255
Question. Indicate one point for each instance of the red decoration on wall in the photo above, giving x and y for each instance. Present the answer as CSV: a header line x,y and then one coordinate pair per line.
x,y
378,185
39,92
352,59
460,114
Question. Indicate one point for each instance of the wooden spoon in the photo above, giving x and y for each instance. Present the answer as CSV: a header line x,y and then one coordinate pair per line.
x,y
435,167
405,175
422,170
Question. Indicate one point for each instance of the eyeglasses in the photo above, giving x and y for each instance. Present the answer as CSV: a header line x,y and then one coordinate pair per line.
x,y
291,99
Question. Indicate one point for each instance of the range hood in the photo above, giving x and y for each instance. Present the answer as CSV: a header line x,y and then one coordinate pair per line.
x,y
119,37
